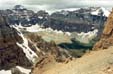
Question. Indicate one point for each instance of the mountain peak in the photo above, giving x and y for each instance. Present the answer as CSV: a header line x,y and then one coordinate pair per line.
x,y
101,11
19,7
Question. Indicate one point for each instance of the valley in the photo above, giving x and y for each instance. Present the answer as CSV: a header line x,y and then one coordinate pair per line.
x,y
63,42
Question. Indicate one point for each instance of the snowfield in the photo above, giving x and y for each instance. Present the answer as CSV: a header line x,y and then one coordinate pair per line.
x,y
37,28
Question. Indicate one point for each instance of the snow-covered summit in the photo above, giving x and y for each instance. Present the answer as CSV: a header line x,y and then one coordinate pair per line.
x,y
101,11
19,7
93,10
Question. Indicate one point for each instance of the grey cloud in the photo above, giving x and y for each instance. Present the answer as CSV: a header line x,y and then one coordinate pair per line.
x,y
56,4
61,4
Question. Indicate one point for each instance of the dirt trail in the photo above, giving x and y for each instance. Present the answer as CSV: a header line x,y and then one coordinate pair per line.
x,y
95,62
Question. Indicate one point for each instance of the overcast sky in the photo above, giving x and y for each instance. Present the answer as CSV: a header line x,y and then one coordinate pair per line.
x,y
56,4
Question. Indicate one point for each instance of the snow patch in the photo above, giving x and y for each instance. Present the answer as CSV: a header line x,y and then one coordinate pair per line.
x,y
34,28
37,28
40,17
31,55
5,72
23,70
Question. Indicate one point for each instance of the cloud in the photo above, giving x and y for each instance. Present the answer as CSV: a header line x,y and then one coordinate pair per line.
x,y
5,4
62,4
56,4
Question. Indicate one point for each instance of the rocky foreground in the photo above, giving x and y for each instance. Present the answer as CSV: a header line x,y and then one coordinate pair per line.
x,y
107,36
94,62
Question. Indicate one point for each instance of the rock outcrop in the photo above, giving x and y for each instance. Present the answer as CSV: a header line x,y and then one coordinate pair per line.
x,y
46,49
10,53
106,39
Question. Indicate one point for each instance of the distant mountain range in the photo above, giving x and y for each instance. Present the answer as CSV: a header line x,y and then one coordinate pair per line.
x,y
80,20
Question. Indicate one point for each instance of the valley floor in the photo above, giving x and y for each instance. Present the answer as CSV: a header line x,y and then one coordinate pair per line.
x,y
94,62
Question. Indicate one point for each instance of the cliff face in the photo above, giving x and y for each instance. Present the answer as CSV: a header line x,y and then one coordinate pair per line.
x,y
106,39
10,53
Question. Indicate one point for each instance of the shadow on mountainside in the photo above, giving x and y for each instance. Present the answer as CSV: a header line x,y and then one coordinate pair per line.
x,y
77,49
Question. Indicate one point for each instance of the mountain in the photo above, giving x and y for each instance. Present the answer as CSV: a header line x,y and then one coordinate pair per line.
x,y
79,20
93,62
100,11
19,53
10,53
107,36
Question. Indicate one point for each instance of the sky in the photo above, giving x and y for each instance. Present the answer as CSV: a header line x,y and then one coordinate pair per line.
x,y
52,5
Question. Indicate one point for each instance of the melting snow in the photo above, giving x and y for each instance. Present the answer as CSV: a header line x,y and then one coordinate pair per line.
x,y
31,55
37,28
34,28
5,72
23,70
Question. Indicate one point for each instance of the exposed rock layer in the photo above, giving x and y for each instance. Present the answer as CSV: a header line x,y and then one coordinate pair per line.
x,y
10,54
106,39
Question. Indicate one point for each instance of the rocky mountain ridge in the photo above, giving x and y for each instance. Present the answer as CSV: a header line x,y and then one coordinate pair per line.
x,y
106,39
18,50
93,62
81,20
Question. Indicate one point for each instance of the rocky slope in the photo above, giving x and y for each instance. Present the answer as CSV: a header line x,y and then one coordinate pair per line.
x,y
88,64
18,51
10,54
94,62
107,36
